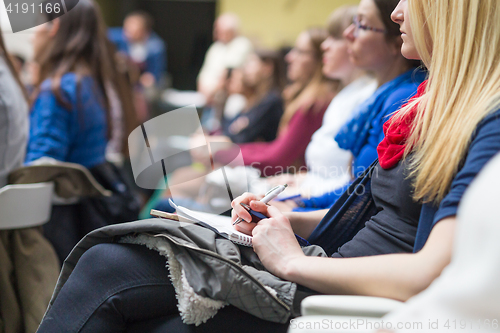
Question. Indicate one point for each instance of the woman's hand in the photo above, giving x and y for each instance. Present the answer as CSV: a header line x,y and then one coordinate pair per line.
x,y
252,200
275,243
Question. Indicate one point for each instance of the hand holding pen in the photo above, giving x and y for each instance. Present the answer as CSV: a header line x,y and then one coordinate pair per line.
x,y
257,216
272,194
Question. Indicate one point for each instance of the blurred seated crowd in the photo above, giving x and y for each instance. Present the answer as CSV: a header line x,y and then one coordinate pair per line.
x,y
310,115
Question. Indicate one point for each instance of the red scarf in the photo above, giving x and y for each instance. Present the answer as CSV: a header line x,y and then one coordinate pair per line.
x,y
391,150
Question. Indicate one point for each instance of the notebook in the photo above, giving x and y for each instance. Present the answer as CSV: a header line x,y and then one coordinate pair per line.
x,y
221,225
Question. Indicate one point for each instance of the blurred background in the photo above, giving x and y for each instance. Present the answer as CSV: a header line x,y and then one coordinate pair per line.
x,y
186,27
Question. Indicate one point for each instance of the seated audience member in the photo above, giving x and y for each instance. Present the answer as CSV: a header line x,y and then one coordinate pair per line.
x,y
143,46
327,171
229,50
425,167
28,264
70,114
397,80
306,101
259,81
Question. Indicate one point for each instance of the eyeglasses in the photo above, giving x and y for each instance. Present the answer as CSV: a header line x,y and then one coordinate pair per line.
x,y
358,26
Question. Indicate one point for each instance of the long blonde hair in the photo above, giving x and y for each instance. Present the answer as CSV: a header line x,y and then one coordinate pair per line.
x,y
459,42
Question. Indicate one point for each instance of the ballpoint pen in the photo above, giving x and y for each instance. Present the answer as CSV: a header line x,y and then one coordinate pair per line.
x,y
273,193
259,216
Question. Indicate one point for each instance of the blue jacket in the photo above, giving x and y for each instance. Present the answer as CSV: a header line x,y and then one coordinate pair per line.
x,y
77,134
363,133
156,61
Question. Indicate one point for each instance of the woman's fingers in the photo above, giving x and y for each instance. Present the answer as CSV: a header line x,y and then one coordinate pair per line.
x,y
259,206
238,210
275,212
246,228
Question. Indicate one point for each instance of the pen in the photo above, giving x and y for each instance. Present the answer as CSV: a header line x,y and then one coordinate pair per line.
x,y
302,242
296,196
273,193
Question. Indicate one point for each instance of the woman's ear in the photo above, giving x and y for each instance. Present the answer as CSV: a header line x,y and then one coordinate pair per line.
x,y
54,26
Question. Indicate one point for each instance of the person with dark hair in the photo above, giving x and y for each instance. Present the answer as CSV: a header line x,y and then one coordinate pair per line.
x,y
143,46
397,80
261,83
71,114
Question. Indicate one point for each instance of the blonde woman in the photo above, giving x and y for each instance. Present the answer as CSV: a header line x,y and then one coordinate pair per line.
x,y
440,142
442,156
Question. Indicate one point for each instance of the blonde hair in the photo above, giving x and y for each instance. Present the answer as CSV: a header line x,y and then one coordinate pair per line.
x,y
459,42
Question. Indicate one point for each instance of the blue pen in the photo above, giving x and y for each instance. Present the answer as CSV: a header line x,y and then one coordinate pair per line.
x,y
256,217
273,193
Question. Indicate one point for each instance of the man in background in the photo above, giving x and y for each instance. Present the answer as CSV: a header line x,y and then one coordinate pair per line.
x,y
144,47
229,50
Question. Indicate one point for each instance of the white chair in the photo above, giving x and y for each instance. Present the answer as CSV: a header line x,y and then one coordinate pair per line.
x,y
25,206
342,314
359,306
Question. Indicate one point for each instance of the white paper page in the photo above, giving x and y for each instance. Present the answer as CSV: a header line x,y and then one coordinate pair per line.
x,y
221,223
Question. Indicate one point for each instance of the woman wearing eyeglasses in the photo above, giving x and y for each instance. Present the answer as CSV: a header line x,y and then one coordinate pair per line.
x,y
374,44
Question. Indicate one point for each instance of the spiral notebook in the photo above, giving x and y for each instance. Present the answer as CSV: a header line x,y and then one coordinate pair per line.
x,y
221,225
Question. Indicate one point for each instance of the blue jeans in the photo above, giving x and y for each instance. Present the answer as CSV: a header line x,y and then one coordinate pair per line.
x,y
125,288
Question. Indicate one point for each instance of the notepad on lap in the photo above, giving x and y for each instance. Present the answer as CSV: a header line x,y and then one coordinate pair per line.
x,y
220,224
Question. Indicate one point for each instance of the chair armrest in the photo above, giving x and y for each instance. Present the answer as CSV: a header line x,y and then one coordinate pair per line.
x,y
357,306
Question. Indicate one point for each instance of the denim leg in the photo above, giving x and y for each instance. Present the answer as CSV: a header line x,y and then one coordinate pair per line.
x,y
126,288
228,319
111,286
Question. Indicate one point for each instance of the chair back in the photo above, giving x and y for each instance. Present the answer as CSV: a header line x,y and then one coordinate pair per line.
x,y
25,206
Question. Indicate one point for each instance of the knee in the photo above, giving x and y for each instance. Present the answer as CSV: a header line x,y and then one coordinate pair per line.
x,y
103,260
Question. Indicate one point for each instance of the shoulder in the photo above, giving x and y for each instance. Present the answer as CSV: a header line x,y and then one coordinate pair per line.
x,y
401,93
68,84
493,117
273,97
215,50
156,43
488,130
241,40
115,33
